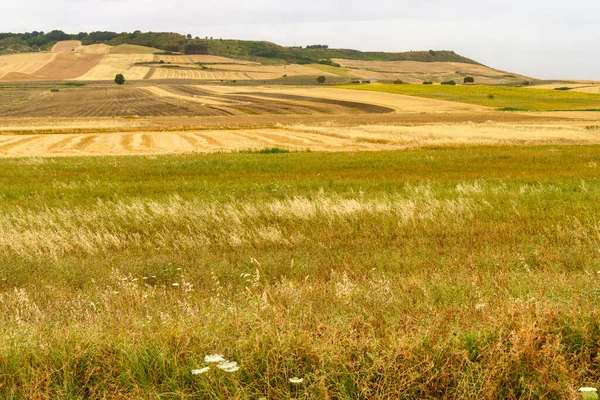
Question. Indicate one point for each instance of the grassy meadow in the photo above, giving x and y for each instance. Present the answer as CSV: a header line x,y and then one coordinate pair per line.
x,y
466,272
501,97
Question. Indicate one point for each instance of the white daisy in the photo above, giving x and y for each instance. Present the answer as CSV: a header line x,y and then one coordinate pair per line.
x,y
296,380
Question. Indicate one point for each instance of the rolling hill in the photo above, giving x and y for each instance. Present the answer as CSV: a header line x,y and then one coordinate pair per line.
x,y
73,60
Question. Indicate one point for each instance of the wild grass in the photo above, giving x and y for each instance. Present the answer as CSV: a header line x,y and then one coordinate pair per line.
x,y
445,272
500,97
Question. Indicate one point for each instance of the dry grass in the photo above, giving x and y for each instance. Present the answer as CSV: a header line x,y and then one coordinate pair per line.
x,y
440,273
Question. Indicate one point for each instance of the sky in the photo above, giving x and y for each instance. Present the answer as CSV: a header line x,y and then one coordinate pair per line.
x,y
547,39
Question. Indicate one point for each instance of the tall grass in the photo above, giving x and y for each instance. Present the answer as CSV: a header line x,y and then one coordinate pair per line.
x,y
460,273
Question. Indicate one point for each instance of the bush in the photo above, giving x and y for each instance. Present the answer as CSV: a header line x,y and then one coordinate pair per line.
x,y
562,88
451,83
119,79
55,90
321,79
469,79
398,82
329,62
427,83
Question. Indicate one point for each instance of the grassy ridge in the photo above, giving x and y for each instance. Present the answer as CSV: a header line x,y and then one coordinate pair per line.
x,y
444,272
503,97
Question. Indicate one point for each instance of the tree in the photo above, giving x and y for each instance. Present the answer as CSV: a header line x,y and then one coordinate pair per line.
x,y
189,36
469,79
321,79
119,79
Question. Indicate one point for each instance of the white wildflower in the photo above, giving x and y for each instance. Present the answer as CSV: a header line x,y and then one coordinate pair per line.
x,y
214,358
175,284
480,306
200,371
588,389
296,380
228,366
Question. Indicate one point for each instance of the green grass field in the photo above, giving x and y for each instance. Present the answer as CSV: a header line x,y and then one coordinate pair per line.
x,y
468,272
501,97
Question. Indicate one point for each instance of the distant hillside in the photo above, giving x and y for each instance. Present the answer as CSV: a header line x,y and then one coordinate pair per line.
x,y
265,52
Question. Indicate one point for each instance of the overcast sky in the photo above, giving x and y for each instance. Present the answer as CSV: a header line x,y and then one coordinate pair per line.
x,y
539,38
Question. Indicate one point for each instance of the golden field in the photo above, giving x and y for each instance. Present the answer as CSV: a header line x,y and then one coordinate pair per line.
x,y
192,118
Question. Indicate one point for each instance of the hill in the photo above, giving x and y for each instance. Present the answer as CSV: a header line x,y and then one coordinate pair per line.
x,y
73,60
240,49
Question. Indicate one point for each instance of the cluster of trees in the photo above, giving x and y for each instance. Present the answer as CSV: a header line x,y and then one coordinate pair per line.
x,y
35,40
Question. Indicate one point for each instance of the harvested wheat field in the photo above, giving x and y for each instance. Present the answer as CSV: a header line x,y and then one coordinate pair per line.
x,y
163,119
417,72
292,137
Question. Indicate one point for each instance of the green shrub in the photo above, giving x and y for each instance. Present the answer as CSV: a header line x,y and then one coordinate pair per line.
x,y
54,90
451,83
398,82
427,83
469,79
270,150
321,79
